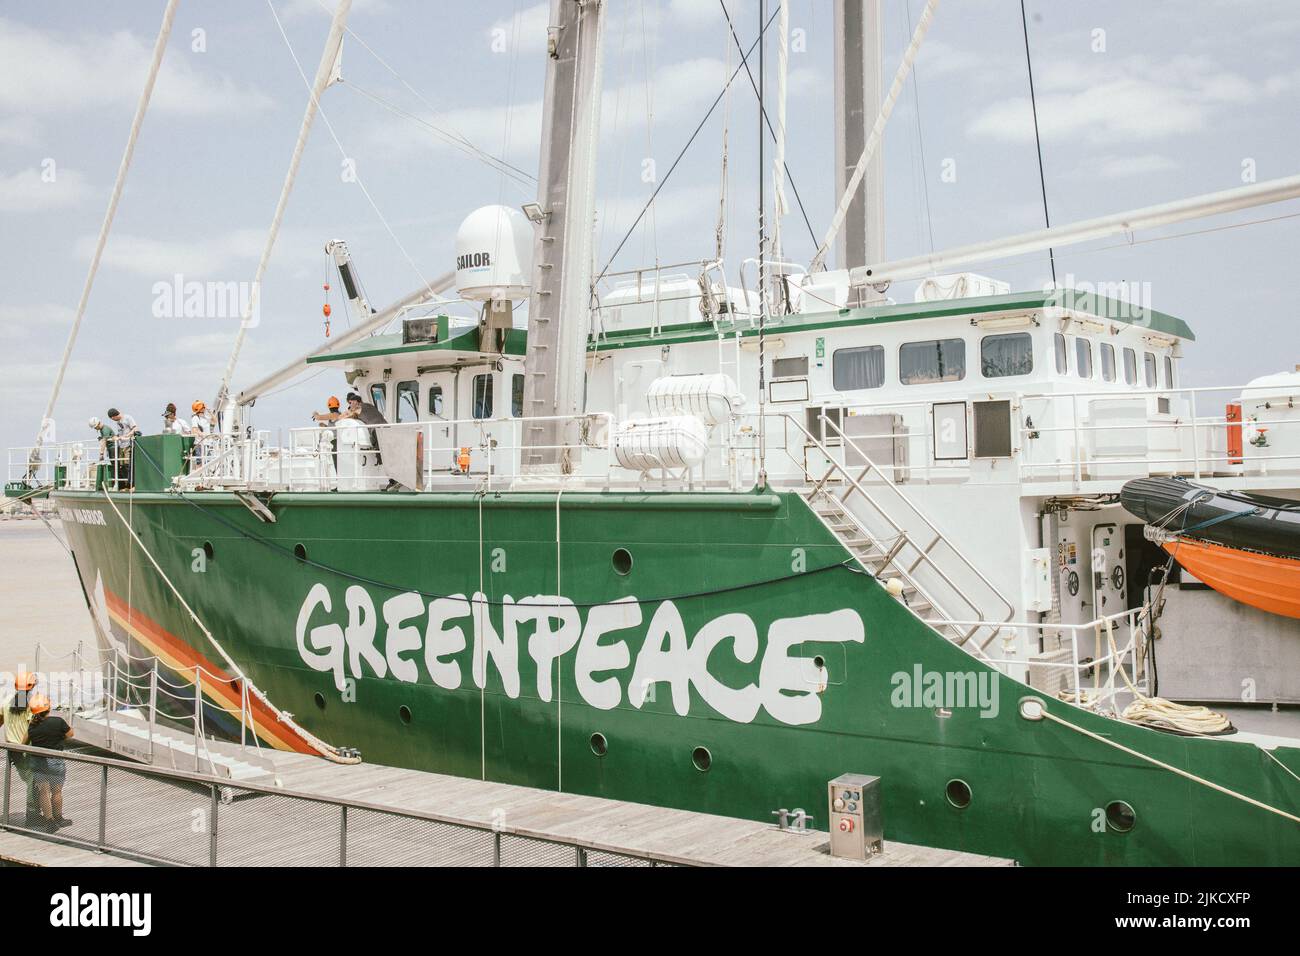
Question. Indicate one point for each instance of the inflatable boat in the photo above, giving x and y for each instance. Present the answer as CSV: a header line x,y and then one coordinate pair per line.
x,y
1245,546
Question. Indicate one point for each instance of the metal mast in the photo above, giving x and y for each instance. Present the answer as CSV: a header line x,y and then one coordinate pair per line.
x,y
559,310
859,55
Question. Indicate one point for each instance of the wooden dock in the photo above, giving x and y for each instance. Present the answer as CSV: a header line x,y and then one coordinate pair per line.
x,y
678,836
451,821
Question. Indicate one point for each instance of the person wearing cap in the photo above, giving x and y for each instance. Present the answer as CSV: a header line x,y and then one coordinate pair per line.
x,y
171,424
16,715
48,772
201,426
104,432
127,429
332,415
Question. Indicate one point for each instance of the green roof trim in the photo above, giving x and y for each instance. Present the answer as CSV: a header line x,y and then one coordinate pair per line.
x,y
391,344
1104,308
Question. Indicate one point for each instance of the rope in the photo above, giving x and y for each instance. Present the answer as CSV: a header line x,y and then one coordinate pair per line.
x,y
324,749
160,46
1159,712
1033,103
1172,769
873,140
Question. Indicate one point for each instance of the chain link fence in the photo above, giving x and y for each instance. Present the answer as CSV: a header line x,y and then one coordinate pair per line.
x,y
175,818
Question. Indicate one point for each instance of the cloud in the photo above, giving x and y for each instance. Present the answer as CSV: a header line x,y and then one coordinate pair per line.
x,y
524,32
299,9
27,191
18,131
1132,99
229,256
1118,167
43,72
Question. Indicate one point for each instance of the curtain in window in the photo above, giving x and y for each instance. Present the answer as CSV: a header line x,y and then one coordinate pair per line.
x,y
1003,355
939,360
858,368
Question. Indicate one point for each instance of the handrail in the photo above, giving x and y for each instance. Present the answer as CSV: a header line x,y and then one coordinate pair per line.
x,y
906,499
903,537
215,784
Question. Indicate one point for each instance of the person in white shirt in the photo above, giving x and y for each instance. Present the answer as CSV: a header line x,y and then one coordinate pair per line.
x,y
171,424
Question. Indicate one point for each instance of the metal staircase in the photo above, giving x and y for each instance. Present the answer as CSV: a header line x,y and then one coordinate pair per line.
x,y
897,542
130,733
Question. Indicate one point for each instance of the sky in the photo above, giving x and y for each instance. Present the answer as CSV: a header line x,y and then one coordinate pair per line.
x,y
1138,103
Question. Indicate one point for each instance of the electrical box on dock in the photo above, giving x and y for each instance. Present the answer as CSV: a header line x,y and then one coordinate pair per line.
x,y
857,824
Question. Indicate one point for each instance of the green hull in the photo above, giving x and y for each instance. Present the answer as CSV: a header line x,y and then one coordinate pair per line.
x,y
718,563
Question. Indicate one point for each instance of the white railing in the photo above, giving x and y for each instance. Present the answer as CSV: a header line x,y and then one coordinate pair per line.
x,y
1087,687
1102,435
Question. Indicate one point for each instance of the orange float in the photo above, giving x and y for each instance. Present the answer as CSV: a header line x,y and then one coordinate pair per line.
x,y
1263,581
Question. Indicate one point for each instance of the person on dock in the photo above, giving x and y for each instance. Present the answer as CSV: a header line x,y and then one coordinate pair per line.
x,y
16,714
48,772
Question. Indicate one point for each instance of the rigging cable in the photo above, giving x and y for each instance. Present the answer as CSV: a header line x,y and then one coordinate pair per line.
x,y
667,175
160,46
325,69
1038,143
451,132
794,188
920,139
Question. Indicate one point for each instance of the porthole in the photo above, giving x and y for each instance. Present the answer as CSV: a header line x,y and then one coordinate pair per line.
x,y
958,793
320,700
1120,816
208,551
404,712
599,745
300,551
622,561
702,759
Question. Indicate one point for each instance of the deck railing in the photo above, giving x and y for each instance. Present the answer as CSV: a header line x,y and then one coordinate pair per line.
x,y
177,818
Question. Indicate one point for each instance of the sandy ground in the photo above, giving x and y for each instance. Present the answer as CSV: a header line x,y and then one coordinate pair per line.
x,y
40,599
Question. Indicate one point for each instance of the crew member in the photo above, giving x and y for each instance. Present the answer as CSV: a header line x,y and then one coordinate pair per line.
x,y
48,772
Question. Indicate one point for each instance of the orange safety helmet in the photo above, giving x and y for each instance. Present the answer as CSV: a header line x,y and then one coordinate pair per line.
x,y
24,681
198,407
39,704
333,402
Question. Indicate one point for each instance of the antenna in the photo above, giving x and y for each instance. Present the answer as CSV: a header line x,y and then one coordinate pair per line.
x,y
762,262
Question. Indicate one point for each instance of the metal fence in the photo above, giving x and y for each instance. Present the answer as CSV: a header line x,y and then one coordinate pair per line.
x,y
175,818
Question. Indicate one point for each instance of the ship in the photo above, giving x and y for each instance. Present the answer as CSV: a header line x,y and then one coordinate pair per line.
x,y
698,541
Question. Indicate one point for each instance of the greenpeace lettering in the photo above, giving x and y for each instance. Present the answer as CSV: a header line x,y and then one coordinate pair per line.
x,y
438,634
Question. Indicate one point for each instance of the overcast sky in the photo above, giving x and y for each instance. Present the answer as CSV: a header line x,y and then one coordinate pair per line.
x,y
1138,103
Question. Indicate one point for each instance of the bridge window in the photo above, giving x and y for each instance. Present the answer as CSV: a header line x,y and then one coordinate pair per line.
x,y
378,398
938,360
1083,357
483,396
1062,355
435,401
517,396
1149,364
408,401
858,368
1130,367
1004,355
1169,372
1108,361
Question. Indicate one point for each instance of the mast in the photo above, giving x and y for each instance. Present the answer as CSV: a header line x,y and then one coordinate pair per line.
x,y
858,59
559,311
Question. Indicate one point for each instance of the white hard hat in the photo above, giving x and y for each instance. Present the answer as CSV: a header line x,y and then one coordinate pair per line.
x,y
95,422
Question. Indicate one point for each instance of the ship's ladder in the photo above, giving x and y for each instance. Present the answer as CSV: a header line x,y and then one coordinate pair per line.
x,y
893,540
